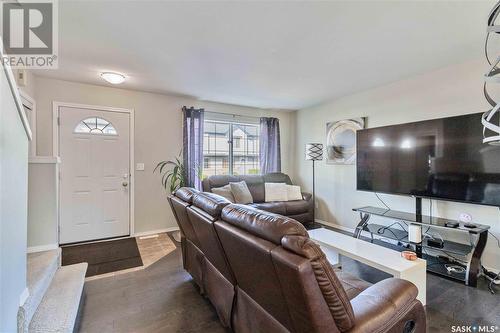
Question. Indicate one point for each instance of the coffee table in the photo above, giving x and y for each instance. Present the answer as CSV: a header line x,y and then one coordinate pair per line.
x,y
334,243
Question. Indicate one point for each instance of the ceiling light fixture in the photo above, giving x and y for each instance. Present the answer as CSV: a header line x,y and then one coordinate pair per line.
x,y
113,78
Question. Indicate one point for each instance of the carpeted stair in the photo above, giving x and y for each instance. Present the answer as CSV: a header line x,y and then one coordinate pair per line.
x,y
55,294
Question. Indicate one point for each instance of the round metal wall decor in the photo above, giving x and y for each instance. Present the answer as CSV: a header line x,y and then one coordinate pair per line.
x,y
341,140
491,118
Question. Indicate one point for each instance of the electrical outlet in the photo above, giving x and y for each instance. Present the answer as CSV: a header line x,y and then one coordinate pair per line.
x,y
464,217
139,167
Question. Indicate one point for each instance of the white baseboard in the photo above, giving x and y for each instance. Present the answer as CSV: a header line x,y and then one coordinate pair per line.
x,y
40,248
24,296
44,160
152,232
333,225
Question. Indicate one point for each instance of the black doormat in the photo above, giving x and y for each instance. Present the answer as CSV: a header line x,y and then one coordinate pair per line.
x,y
104,257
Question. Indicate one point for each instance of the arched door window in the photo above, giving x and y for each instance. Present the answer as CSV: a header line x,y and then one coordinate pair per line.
x,y
95,125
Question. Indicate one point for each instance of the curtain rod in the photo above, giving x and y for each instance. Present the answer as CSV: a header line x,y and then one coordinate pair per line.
x,y
233,114
226,114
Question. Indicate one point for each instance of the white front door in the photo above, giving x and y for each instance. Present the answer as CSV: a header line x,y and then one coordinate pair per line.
x,y
94,146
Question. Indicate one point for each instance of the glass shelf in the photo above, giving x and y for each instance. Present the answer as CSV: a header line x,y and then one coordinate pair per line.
x,y
425,220
435,264
402,236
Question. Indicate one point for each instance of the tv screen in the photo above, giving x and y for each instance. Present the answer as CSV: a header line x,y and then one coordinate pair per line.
x,y
441,158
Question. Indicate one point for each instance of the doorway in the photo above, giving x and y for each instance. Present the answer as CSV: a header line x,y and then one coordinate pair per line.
x,y
95,145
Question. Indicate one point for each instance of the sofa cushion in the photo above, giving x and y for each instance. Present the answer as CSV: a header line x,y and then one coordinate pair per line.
x,y
276,192
272,207
269,226
186,194
210,203
224,191
353,285
303,218
334,294
296,207
293,193
218,181
255,184
386,305
276,177
241,193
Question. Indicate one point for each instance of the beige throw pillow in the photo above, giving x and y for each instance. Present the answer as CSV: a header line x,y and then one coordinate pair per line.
x,y
293,192
241,193
224,191
275,192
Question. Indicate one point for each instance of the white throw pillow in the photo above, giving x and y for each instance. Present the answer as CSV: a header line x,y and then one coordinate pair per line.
x,y
224,191
241,193
275,192
293,192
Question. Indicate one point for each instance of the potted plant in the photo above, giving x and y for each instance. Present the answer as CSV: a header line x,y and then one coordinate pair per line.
x,y
173,174
173,177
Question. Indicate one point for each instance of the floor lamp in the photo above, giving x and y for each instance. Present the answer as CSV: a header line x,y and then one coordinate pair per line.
x,y
314,152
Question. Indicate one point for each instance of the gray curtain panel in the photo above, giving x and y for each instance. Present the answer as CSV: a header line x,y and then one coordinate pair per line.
x,y
192,144
270,148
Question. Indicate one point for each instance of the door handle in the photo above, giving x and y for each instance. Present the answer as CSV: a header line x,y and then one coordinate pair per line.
x,y
125,184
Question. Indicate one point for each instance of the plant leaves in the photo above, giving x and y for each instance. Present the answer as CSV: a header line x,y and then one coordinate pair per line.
x,y
172,172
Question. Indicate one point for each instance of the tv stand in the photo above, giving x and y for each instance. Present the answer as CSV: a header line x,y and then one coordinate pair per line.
x,y
435,263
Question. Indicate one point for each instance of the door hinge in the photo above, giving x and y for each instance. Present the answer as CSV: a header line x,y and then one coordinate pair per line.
x,y
58,121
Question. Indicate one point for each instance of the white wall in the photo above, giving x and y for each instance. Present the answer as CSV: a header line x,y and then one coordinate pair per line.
x,y
450,91
13,207
30,87
158,135
43,187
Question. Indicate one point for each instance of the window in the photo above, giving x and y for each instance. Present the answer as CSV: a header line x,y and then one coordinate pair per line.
x,y
95,125
237,142
230,147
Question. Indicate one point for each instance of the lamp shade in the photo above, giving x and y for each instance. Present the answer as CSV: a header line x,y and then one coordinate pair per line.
x,y
314,152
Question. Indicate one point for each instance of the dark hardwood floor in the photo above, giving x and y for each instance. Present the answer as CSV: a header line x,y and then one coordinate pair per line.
x,y
162,298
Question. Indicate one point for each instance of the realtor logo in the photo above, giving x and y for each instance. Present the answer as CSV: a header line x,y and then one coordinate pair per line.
x,y
29,33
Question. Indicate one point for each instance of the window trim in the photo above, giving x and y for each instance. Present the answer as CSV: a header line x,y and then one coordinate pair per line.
x,y
232,120
95,130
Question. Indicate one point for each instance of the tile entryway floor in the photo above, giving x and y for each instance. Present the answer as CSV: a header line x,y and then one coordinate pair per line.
x,y
151,248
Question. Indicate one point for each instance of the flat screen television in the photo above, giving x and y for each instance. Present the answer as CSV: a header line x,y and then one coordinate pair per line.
x,y
441,158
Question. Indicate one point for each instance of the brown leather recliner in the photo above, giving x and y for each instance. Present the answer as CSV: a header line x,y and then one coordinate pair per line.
x,y
262,273
284,282
218,279
300,210
192,256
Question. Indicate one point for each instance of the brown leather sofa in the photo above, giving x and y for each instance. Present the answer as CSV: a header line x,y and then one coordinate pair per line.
x,y
262,273
300,210
192,256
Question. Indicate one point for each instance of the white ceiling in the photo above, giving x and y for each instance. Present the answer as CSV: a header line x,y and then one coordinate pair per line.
x,y
265,54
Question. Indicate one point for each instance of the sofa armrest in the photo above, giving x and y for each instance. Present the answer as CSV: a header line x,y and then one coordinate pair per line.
x,y
306,196
389,305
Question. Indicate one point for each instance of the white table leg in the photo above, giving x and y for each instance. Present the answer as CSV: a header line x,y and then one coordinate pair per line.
x,y
331,255
418,276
